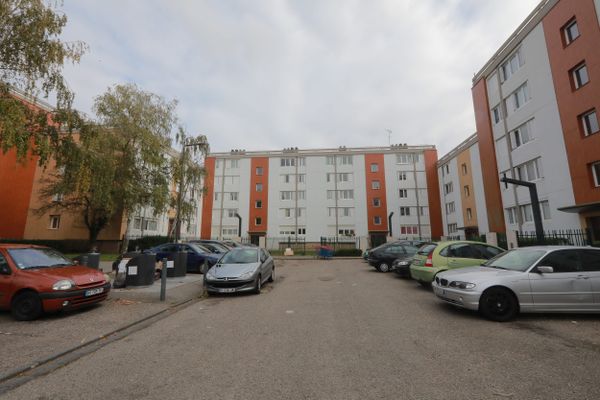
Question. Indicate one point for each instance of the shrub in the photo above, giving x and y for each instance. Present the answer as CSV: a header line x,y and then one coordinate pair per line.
x,y
347,253
147,242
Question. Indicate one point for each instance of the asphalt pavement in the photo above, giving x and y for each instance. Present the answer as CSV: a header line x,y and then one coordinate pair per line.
x,y
336,330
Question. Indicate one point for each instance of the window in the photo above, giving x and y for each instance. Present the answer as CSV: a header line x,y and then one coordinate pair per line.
x,y
529,171
301,231
301,178
288,162
301,161
521,135
57,198
447,168
259,170
589,122
301,195
423,211
151,225
401,176
258,221
54,222
570,32
469,214
299,212
596,173
448,188
374,167
346,211
346,232
346,194
259,187
403,158
405,211
487,252
258,204
403,193
464,169
217,196
545,206
376,202
409,230
512,65
137,223
497,114
467,191
562,261
377,220
452,228
344,177
512,215
346,160
286,178
287,195
579,76
527,212
518,98
231,212
450,208
330,160
287,212
234,163
233,196
375,185
590,260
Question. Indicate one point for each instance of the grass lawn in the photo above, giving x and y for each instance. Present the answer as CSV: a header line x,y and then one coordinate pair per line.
x,y
103,256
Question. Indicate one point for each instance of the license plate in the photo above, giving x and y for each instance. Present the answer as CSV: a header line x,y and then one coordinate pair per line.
x,y
92,292
227,290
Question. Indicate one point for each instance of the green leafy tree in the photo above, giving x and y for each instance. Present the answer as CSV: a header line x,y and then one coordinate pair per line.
x,y
118,164
32,56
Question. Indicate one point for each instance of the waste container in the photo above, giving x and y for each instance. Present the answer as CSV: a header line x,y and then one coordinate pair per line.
x,y
91,260
177,264
139,270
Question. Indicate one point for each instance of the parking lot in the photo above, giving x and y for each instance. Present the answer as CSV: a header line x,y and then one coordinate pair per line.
x,y
335,329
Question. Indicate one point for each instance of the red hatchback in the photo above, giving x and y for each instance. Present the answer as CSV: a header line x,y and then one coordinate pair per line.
x,y
36,279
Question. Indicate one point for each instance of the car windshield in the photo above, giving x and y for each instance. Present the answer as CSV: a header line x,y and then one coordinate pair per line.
x,y
240,256
425,250
516,260
28,258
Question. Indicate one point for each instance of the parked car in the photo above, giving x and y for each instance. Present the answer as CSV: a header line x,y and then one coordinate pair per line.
x,y
529,279
37,279
232,243
401,267
212,245
240,270
382,258
199,258
434,258
416,243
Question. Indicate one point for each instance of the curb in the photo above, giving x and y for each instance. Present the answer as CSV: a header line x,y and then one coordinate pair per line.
x,y
18,371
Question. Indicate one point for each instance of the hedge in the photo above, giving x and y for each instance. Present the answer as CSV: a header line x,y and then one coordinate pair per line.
x,y
147,242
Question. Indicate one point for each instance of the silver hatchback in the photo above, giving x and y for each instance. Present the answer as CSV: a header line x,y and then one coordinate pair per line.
x,y
530,279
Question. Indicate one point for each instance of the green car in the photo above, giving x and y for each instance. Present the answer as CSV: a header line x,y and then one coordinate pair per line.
x,y
437,257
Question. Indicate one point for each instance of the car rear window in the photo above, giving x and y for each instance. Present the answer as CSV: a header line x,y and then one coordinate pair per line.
x,y
428,248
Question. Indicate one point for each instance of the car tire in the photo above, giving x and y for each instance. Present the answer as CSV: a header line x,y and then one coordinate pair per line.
x,y
26,306
383,267
498,304
258,285
426,285
272,277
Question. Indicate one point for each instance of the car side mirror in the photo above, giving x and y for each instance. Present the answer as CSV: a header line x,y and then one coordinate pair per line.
x,y
545,270
5,269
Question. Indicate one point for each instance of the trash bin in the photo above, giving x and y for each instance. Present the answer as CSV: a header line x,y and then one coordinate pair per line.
x,y
177,264
139,270
91,260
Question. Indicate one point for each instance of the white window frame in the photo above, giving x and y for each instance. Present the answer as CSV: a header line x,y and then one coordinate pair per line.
x,y
569,35
580,76
259,171
405,211
233,196
257,203
596,173
54,222
522,134
376,202
511,66
376,220
401,175
374,167
403,193
375,185
497,114
259,187
589,121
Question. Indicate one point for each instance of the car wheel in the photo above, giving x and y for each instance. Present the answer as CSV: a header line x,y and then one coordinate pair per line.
x,y
26,306
426,285
383,267
498,304
258,285
272,277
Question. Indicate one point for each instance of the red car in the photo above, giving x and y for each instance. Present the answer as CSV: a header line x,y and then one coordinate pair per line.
x,y
37,279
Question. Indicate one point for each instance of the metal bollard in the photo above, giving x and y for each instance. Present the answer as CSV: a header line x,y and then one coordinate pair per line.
x,y
163,280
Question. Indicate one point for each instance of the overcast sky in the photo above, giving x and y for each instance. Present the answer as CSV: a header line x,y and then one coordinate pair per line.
x,y
269,74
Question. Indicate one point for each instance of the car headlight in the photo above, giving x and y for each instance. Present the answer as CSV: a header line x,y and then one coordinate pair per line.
x,y
462,285
65,284
246,275
210,276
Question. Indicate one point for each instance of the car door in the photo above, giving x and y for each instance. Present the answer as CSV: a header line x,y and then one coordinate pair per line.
x,y
264,271
568,288
193,259
462,255
590,261
6,282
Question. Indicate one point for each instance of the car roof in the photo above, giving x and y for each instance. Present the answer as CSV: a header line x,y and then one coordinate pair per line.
x,y
449,242
555,247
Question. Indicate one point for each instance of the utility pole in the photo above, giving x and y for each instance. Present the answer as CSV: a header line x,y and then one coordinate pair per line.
x,y
535,204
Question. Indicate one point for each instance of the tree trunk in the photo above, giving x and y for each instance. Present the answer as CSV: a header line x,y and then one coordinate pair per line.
x,y
93,238
125,243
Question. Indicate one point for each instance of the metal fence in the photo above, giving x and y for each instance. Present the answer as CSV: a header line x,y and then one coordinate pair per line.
x,y
566,237
340,242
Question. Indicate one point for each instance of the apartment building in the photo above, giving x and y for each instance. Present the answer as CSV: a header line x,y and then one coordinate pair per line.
x,y
464,214
536,108
314,193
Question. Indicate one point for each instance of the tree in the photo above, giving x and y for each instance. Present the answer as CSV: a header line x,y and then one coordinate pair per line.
x,y
31,61
187,172
117,164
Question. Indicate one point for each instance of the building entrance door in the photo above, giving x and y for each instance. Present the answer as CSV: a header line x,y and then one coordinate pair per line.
x,y
594,226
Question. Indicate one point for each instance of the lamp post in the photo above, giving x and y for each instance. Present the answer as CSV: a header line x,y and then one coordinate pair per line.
x,y
199,141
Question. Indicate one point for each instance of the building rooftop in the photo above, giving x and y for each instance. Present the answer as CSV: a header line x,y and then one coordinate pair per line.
x,y
294,151
465,144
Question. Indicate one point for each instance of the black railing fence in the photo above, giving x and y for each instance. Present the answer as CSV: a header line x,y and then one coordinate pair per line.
x,y
565,237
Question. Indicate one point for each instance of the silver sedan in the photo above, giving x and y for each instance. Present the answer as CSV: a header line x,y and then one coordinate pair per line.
x,y
530,279
242,269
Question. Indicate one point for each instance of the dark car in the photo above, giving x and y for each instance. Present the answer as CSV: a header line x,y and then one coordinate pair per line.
x,y
383,257
199,258
415,243
36,279
212,245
